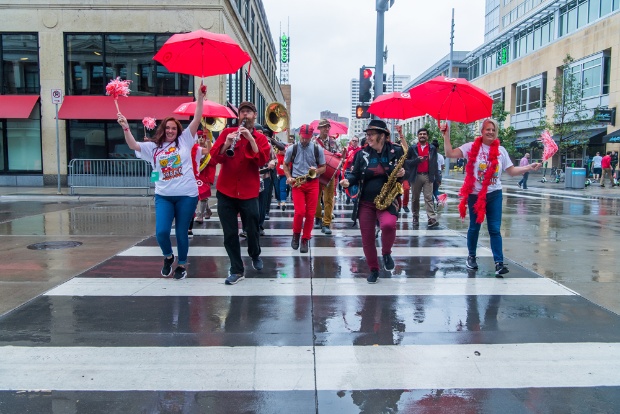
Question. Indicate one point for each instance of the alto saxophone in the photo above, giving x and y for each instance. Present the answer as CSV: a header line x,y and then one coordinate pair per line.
x,y
392,188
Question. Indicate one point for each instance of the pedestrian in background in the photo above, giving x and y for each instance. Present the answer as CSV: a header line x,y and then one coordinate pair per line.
x,y
176,191
607,171
323,217
597,168
525,161
421,167
482,188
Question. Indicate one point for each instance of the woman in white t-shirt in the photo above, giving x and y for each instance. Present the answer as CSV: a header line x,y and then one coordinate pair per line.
x,y
176,191
482,188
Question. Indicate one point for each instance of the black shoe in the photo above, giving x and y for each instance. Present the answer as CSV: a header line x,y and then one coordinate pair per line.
x,y
266,216
234,278
166,271
190,234
283,207
471,262
257,263
261,232
374,276
388,262
317,223
432,222
500,269
295,241
406,209
243,234
180,273
519,184
304,246
326,230
415,220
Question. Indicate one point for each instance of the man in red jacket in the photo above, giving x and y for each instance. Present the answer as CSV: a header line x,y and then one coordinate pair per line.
x,y
240,152
606,165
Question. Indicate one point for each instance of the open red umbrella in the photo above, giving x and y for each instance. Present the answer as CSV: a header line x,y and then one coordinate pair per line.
x,y
395,105
201,53
335,128
210,109
452,99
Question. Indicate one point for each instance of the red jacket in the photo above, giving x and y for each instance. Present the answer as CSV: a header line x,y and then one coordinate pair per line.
x,y
239,174
280,162
606,162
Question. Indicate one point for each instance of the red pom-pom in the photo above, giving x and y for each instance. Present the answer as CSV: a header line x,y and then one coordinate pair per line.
x,y
149,123
117,87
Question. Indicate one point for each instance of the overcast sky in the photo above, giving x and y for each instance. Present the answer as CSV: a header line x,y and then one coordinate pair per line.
x,y
332,39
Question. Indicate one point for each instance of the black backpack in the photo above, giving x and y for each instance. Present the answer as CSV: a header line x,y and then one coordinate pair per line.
x,y
316,153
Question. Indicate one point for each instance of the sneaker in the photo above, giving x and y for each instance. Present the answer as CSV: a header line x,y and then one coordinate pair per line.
x,y
266,216
295,241
406,209
283,206
243,234
257,263
304,246
233,278
519,184
432,222
416,220
180,273
471,262
326,230
374,276
261,231
500,269
388,262
317,223
208,214
190,234
198,218
166,271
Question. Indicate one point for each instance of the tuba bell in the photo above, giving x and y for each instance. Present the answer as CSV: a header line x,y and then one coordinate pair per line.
x,y
213,124
276,117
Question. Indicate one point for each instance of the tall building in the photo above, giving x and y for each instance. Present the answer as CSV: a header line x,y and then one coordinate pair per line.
x,y
77,50
334,117
519,63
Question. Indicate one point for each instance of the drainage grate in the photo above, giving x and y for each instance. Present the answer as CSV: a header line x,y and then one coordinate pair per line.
x,y
54,245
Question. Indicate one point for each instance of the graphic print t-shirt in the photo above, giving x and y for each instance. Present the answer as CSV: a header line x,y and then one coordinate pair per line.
x,y
482,163
375,175
174,165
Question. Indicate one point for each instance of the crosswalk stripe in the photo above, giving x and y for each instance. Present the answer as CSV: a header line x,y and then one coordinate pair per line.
x,y
337,251
335,232
278,368
283,286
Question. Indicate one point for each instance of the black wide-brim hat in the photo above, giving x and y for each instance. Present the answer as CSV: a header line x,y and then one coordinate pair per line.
x,y
378,125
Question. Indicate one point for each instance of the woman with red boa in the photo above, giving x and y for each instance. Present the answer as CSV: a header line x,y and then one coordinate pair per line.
x,y
482,189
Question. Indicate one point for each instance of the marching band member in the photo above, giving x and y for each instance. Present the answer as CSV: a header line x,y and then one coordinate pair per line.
x,y
240,151
308,162
372,166
323,219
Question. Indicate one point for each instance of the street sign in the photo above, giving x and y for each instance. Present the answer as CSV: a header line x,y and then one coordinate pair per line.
x,y
56,96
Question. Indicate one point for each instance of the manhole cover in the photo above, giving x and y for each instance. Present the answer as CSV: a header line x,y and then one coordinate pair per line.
x,y
54,245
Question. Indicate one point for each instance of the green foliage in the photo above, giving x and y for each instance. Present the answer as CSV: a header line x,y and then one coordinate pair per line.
x,y
507,136
459,134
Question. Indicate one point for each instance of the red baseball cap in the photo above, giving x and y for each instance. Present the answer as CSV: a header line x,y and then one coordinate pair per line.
x,y
305,131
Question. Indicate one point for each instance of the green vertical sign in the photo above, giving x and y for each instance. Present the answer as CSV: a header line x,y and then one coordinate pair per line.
x,y
284,49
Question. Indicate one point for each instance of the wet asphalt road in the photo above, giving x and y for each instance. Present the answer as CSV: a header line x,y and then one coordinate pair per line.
x,y
308,333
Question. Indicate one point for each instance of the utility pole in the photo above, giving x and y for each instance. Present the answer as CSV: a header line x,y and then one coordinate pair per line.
x,y
381,6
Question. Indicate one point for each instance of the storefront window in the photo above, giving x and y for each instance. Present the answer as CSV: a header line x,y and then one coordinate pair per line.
x,y
23,138
20,64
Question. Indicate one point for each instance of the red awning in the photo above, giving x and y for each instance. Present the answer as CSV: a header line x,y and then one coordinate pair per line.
x,y
17,106
133,107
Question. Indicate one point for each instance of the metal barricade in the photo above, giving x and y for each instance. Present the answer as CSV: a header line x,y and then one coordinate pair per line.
x,y
122,173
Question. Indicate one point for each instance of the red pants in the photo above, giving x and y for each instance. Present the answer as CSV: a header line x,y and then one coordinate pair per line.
x,y
368,216
305,199
405,197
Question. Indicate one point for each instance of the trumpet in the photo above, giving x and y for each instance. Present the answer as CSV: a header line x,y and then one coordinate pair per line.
x,y
304,178
231,150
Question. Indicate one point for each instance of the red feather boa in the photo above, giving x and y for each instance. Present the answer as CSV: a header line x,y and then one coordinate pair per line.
x,y
480,207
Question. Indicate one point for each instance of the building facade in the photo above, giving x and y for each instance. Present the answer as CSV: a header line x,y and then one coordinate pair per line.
x,y
520,63
78,49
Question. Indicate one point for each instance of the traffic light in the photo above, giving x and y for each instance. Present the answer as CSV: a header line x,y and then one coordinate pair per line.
x,y
361,112
365,84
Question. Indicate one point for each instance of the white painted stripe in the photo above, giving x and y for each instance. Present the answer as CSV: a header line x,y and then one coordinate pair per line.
x,y
275,368
335,233
337,251
283,286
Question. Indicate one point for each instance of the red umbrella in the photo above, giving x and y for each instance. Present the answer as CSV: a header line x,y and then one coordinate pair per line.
x,y
210,109
335,128
201,53
452,99
395,105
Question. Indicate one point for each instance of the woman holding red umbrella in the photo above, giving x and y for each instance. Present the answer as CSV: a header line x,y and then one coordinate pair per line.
x,y
482,189
176,192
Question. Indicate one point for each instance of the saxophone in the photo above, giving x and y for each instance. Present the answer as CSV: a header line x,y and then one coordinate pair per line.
x,y
392,188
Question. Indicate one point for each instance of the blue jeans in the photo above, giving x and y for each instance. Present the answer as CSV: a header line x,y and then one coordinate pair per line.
x,y
523,181
282,187
494,221
181,209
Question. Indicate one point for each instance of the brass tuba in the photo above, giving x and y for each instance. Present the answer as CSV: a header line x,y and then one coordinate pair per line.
x,y
213,124
276,117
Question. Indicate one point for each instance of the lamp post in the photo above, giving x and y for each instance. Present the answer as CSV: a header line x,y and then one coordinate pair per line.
x,y
381,6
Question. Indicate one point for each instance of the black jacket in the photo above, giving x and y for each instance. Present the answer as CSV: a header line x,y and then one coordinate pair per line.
x,y
411,165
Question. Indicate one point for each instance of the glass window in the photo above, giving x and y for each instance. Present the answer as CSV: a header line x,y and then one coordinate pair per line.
x,y
85,64
594,10
131,57
23,142
2,150
534,95
592,78
572,19
606,6
167,83
582,13
20,64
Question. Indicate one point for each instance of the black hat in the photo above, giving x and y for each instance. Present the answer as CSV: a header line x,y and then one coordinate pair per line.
x,y
246,104
378,125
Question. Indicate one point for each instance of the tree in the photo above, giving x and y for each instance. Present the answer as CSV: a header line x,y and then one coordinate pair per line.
x,y
459,134
507,136
571,118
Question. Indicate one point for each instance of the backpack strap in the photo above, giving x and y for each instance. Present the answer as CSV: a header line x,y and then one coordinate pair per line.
x,y
294,153
316,154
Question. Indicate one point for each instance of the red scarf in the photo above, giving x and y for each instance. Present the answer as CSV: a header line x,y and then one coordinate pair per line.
x,y
480,206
